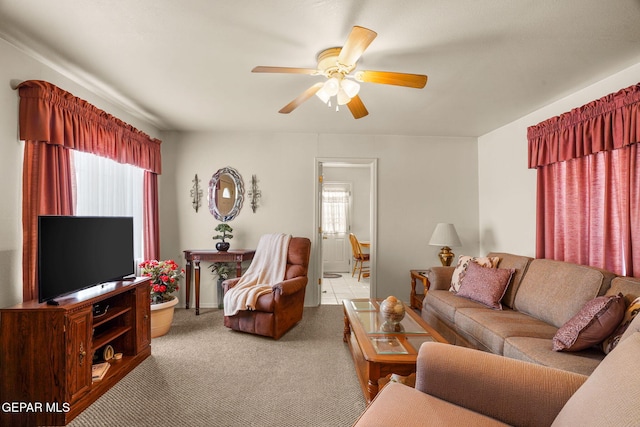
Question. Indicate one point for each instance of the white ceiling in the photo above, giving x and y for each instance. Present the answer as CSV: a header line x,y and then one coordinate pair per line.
x,y
186,65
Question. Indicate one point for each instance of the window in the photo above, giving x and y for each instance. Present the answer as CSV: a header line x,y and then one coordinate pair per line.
x,y
104,187
335,208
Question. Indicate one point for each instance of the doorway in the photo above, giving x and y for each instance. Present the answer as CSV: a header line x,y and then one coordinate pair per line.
x,y
333,255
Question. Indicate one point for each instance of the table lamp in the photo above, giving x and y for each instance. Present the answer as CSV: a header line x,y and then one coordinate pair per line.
x,y
445,235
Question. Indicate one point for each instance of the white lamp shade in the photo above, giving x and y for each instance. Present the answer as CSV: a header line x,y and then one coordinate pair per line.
x,y
343,98
323,95
331,86
350,87
445,235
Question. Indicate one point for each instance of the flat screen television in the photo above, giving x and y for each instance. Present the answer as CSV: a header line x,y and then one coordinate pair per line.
x,y
76,252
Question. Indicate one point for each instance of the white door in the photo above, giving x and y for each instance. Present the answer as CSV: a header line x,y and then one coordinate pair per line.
x,y
336,223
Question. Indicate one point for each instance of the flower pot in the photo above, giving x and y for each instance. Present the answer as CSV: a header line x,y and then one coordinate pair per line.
x,y
161,317
223,246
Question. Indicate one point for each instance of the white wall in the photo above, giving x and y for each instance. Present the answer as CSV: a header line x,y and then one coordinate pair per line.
x,y
507,187
421,181
17,67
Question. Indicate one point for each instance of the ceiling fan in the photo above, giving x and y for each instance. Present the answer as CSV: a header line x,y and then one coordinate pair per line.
x,y
338,65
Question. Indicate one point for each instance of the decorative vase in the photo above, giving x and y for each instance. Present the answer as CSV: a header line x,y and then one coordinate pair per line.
x,y
161,317
392,310
223,246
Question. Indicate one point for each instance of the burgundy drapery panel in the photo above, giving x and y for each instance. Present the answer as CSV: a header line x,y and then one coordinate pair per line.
x,y
150,222
52,121
588,188
47,190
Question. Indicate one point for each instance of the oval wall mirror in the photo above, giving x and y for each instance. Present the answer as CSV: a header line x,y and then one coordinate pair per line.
x,y
226,194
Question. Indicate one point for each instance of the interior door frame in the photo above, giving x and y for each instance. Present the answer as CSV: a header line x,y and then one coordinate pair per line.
x,y
372,164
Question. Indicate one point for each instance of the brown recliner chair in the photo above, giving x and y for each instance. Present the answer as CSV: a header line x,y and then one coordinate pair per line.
x,y
280,310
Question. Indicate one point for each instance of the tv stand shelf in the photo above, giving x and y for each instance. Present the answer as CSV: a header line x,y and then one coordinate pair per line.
x,y
46,351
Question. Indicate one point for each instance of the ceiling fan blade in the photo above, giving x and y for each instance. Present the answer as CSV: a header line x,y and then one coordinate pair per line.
x,y
288,70
357,108
417,81
301,98
359,39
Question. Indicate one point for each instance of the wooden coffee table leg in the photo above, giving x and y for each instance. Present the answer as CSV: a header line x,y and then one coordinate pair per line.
x,y
347,328
372,383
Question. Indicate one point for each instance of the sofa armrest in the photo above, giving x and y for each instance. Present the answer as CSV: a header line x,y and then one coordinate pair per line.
x,y
440,277
508,390
230,283
290,286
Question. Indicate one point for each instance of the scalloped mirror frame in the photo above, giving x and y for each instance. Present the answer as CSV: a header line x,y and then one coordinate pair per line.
x,y
219,185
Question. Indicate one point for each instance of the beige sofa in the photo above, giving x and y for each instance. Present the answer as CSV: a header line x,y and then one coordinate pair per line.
x,y
541,297
457,386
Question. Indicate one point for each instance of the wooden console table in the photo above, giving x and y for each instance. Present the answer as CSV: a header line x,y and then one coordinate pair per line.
x,y
193,258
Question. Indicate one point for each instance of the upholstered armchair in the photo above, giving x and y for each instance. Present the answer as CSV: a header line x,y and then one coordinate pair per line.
x,y
279,310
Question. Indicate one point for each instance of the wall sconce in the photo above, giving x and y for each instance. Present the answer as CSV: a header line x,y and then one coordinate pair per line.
x,y
254,193
445,235
196,193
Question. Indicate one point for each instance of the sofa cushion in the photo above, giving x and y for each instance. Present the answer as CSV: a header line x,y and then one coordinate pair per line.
x,y
440,277
485,285
629,314
444,304
596,320
627,286
520,264
540,351
463,263
610,396
487,329
554,291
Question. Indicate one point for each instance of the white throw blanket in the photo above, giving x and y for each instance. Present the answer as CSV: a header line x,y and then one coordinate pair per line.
x,y
267,268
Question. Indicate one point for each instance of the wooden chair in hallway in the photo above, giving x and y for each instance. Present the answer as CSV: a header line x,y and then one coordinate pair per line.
x,y
359,258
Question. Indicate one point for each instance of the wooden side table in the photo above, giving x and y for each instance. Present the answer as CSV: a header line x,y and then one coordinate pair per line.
x,y
193,258
419,280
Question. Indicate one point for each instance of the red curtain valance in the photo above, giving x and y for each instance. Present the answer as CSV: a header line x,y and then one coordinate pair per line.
x,y
606,124
52,115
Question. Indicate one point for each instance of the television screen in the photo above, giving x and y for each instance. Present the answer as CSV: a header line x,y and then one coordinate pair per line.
x,y
76,252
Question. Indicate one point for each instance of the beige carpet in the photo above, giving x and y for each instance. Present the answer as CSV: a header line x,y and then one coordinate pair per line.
x,y
203,374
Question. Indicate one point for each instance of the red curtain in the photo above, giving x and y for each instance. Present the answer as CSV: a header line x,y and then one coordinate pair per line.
x,y
588,191
151,244
52,121
47,190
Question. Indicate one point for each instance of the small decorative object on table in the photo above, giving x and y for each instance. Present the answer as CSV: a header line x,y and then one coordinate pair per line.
x,y
226,230
165,276
392,310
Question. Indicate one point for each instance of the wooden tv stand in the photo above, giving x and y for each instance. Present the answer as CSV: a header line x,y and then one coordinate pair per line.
x,y
46,351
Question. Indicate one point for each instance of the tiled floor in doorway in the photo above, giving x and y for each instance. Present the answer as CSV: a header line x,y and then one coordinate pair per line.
x,y
334,290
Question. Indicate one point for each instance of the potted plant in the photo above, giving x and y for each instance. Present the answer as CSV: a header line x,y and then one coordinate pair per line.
x,y
165,277
222,270
226,230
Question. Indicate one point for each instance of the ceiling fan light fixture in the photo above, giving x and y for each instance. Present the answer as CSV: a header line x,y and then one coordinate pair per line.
x,y
350,87
323,95
331,86
343,97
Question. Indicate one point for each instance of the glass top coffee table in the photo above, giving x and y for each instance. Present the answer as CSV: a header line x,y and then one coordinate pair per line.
x,y
378,348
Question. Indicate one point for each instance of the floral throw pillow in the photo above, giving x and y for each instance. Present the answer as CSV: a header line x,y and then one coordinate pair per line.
x,y
595,321
485,285
631,312
463,264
